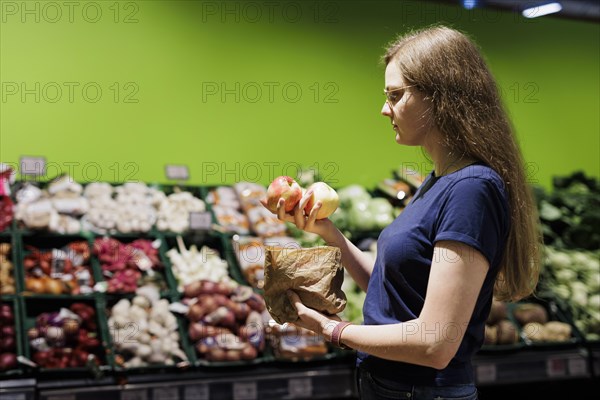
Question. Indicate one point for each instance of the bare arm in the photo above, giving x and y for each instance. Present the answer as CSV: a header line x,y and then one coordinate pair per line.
x,y
359,265
432,339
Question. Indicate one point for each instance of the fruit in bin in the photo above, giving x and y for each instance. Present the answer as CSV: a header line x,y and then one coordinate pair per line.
x,y
507,332
325,194
530,312
498,312
283,187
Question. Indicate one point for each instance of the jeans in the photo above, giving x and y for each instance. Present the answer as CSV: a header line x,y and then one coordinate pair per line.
x,y
370,388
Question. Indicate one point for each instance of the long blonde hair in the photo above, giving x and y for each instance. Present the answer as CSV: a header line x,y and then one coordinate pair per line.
x,y
448,68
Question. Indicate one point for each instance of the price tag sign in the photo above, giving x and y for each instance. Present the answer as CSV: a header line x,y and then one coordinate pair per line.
x,y
486,373
245,391
300,388
196,392
577,367
14,396
141,394
165,393
32,166
200,221
177,172
556,367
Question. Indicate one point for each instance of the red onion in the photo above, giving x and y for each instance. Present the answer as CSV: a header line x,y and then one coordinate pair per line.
x,y
8,361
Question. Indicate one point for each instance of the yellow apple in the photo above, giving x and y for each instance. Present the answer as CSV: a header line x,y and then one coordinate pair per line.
x,y
326,195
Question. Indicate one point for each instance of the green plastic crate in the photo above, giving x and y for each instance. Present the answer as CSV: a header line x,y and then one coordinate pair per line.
x,y
108,303
12,238
33,306
45,241
15,304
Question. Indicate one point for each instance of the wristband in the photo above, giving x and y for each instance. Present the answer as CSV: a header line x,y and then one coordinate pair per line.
x,y
336,335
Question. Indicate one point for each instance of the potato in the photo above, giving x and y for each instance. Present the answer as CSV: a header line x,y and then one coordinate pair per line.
x,y
555,331
491,334
530,312
507,332
534,331
498,312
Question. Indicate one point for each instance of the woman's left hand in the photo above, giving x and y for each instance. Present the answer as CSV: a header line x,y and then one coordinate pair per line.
x,y
313,320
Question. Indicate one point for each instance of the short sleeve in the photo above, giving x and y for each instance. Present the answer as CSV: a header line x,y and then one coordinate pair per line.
x,y
475,212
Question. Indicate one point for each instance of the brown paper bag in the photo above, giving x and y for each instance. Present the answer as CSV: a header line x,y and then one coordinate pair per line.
x,y
315,274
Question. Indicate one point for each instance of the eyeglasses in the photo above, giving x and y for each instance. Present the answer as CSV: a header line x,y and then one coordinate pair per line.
x,y
392,97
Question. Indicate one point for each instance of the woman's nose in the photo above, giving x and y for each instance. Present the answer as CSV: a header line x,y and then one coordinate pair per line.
x,y
386,110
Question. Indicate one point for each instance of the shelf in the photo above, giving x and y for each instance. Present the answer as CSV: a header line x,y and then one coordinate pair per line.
x,y
299,382
532,365
17,389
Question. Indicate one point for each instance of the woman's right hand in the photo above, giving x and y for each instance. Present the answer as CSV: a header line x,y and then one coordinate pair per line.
x,y
298,217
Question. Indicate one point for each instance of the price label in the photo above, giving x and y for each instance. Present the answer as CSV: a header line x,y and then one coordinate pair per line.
x,y
141,394
32,166
245,391
300,388
486,373
196,392
200,221
177,172
61,397
165,393
556,367
577,367
14,396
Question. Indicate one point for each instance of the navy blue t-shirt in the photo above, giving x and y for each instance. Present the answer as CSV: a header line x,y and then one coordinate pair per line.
x,y
469,206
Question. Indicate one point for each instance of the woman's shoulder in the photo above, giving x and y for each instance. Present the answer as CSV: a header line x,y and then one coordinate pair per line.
x,y
477,175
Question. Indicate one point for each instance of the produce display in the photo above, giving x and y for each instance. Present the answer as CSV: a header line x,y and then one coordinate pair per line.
x,y
174,211
57,208
130,207
526,323
82,265
359,211
144,332
570,216
126,266
227,210
65,206
193,265
225,321
6,203
7,273
293,343
67,337
250,255
573,276
8,337
262,222
570,213
63,270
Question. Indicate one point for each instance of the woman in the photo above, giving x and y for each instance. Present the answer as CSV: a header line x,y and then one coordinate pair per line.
x,y
469,232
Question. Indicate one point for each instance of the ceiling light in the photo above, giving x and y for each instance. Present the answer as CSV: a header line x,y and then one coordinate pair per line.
x,y
543,9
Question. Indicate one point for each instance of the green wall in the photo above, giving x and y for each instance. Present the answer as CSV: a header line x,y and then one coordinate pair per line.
x,y
250,90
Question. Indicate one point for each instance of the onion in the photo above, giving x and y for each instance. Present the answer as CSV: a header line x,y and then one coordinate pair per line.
x,y
192,289
196,312
208,287
53,286
6,315
8,343
8,361
8,330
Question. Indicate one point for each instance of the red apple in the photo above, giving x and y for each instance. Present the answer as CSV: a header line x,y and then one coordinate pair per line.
x,y
326,195
283,187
